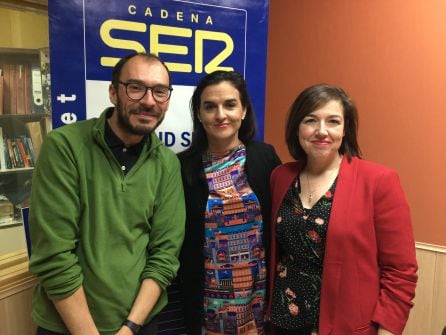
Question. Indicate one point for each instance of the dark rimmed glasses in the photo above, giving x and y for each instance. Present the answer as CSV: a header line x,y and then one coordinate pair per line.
x,y
136,91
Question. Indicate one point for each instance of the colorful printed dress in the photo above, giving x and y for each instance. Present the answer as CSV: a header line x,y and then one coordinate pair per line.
x,y
235,272
301,234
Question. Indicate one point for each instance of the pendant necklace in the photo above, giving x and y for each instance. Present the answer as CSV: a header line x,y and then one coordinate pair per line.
x,y
310,192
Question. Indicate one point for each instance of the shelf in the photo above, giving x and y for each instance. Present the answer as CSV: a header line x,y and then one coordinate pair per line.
x,y
25,120
16,170
18,51
12,223
24,117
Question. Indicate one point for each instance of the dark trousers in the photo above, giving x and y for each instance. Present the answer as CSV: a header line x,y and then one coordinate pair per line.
x,y
148,329
302,331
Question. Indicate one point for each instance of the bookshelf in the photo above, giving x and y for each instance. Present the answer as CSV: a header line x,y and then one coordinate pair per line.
x,y
25,118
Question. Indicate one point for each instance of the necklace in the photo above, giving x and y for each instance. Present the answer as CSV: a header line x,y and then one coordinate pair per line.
x,y
311,192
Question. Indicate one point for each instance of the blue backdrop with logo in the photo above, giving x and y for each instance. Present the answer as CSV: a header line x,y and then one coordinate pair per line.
x,y
193,37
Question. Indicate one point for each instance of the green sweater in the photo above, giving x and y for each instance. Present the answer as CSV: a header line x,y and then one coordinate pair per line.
x,y
92,225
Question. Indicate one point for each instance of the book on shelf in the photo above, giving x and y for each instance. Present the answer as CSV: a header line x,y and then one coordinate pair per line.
x,y
7,162
16,88
12,89
12,160
36,135
1,91
27,149
20,88
30,148
3,165
22,152
28,90
23,88
44,55
17,156
6,89
36,85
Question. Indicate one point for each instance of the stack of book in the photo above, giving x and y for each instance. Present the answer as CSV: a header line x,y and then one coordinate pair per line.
x,y
6,211
20,151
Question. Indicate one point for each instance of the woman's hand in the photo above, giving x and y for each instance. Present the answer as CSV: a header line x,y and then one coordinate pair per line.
x,y
382,331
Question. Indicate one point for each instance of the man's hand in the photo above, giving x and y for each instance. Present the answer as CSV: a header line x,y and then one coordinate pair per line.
x,y
75,314
124,331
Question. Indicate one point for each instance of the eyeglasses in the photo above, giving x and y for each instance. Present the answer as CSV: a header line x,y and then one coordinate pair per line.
x,y
136,91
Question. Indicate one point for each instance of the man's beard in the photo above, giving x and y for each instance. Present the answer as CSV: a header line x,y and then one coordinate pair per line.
x,y
124,121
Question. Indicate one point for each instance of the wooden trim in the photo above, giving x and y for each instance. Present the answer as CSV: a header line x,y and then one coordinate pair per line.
x,y
14,274
37,6
18,51
430,247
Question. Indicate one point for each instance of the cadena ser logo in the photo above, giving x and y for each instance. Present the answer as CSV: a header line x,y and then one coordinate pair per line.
x,y
192,39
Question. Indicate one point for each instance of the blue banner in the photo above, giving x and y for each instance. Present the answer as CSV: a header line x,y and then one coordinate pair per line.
x,y
193,38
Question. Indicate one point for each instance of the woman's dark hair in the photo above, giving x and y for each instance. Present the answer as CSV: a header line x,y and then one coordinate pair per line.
x,y
116,73
248,127
311,99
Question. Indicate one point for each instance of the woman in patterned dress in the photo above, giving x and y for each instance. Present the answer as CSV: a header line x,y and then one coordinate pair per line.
x,y
343,255
223,272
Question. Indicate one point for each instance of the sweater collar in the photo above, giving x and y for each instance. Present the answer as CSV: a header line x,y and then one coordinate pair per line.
x,y
99,133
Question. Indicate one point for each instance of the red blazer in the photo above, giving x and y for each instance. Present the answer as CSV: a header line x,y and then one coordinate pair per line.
x,y
369,269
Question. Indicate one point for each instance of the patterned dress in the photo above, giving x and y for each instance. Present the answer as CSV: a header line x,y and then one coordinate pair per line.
x,y
234,253
301,234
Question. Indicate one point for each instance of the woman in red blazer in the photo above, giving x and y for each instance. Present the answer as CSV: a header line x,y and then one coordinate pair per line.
x,y
342,249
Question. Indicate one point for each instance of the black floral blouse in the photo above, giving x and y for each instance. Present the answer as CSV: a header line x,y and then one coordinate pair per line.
x,y
301,235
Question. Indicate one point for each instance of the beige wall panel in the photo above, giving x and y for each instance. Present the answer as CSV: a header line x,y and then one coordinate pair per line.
x,y
439,299
420,317
5,28
23,29
12,239
15,314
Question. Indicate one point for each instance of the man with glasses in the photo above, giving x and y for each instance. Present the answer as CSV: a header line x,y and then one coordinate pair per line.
x,y
107,212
